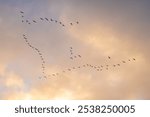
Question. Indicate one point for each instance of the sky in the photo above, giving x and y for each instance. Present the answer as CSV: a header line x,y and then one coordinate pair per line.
x,y
118,29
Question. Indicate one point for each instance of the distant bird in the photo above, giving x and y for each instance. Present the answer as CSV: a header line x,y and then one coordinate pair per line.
x,y
79,56
51,19
34,21
69,69
22,21
114,65
70,47
118,64
77,22
22,16
109,57
71,58
123,62
129,60
27,21
71,24
56,21
21,12
63,25
134,59
47,19
41,18
60,22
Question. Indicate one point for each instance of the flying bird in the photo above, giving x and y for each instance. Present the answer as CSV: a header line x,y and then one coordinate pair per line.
x,y
47,19
109,57
134,59
34,21
41,18
21,12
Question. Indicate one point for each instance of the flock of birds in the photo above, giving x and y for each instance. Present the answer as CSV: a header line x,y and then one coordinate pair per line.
x,y
33,21
72,56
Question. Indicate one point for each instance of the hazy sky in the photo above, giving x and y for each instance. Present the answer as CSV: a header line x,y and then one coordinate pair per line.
x,y
115,28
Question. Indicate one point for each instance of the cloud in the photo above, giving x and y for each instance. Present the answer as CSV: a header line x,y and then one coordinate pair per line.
x,y
118,29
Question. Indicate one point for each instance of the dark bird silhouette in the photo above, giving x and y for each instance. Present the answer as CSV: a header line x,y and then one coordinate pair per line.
x,y
41,18
123,62
79,56
34,21
109,57
56,21
77,22
63,25
52,20
21,12
134,59
47,19
71,24
60,22
27,21
22,21
118,64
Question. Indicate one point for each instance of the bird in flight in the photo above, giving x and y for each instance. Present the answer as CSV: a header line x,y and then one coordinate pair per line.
x,y
34,21
21,12
109,57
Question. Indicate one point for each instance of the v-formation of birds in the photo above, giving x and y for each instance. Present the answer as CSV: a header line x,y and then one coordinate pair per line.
x,y
73,56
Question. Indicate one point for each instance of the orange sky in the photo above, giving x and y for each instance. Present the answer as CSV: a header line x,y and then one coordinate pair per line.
x,y
119,29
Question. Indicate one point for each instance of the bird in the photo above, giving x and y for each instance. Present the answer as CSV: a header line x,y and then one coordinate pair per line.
x,y
47,19
27,21
22,21
71,24
79,56
109,57
21,12
123,62
41,18
134,59
56,21
60,22
71,58
34,21
77,22
69,69
114,65
22,16
63,25
118,64
51,19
